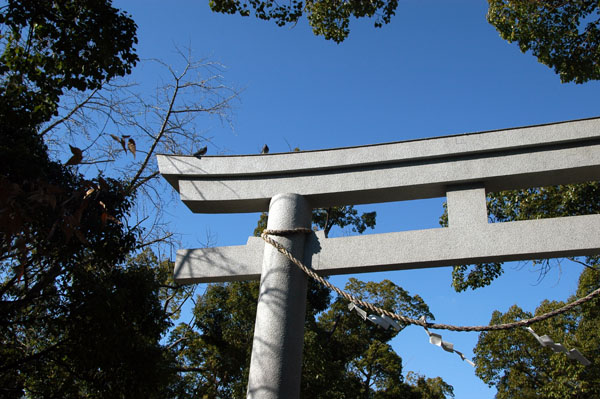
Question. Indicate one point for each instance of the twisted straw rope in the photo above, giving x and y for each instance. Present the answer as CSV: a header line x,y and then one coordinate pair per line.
x,y
404,319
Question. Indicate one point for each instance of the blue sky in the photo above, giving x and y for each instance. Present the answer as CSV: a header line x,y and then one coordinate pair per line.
x,y
439,68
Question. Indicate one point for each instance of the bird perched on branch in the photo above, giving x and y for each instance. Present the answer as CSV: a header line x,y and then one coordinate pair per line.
x,y
198,154
265,149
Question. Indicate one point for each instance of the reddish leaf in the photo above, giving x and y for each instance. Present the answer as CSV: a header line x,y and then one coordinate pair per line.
x,y
89,192
80,236
103,218
75,150
114,219
76,158
20,271
131,146
52,230
67,231
51,199
37,196
103,184
115,138
120,140
52,189
79,213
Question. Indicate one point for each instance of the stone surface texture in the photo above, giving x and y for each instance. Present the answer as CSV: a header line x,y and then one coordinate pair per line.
x,y
276,362
463,168
503,159
480,242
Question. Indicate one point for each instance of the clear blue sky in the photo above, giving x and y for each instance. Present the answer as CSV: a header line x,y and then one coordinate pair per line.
x,y
439,68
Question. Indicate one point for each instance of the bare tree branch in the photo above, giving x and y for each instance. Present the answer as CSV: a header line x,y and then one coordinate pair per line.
x,y
70,114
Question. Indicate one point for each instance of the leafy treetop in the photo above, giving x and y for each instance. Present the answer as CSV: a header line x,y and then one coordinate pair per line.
x,y
563,35
533,203
328,18
518,366
50,46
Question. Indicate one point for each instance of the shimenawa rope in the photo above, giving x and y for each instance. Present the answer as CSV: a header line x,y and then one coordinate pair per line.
x,y
404,319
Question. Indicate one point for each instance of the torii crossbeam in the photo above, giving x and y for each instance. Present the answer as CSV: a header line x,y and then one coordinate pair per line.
x,y
463,168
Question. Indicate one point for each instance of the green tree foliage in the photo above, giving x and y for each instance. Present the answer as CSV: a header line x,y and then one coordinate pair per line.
x,y
563,35
343,216
328,18
97,337
344,356
326,219
78,317
429,388
520,367
52,217
51,46
534,203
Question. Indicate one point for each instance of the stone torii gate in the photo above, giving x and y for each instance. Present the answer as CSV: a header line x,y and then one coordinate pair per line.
x,y
289,185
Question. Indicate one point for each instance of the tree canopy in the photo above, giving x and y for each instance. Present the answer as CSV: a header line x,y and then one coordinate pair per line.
x,y
84,311
533,203
328,18
563,35
344,355
52,46
518,366
77,318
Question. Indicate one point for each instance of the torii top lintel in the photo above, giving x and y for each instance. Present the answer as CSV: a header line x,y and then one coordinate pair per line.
x,y
558,153
462,168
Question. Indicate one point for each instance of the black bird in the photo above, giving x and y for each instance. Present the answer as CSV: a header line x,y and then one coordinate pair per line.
x,y
265,149
198,154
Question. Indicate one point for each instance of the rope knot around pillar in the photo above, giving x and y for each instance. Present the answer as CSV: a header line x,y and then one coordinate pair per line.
x,y
287,231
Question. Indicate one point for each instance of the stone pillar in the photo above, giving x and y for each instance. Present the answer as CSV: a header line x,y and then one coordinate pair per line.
x,y
276,362
467,206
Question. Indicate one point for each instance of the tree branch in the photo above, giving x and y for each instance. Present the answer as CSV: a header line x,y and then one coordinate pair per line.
x,y
161,132
583,264
70,114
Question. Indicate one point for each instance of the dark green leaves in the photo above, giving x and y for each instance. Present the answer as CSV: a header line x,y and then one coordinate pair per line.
x,y
344,356
52,46
68,321
343,216
533,203
518,366
564,35
328,18
475,276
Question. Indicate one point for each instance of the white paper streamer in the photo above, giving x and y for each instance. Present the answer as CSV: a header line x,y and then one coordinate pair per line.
x,y
391,322
386,322
546,341
380,321
361,313
436,339
383,321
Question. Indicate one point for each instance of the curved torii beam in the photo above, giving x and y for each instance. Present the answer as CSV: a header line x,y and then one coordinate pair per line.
x,y
463,168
